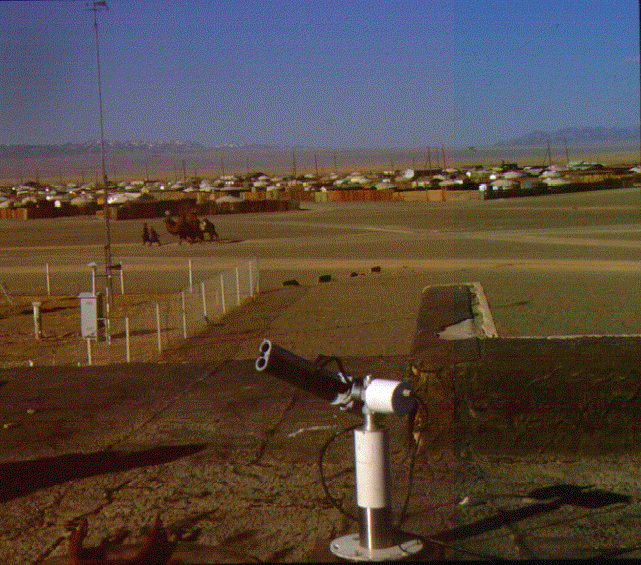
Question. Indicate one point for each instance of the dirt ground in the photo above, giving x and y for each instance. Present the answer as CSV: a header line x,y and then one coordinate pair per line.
x,y
59,326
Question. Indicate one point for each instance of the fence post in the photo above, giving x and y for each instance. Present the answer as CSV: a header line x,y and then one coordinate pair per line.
x,y
122,281
37,320
89,351
222,292
251,280
108,317
204,299
48,281
184,314
158,327
191,278
237,287
127,339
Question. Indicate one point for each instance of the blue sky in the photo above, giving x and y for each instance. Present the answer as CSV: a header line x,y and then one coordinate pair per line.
x,y
317,73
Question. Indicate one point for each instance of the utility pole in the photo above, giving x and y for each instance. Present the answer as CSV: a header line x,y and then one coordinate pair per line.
x,y
95,6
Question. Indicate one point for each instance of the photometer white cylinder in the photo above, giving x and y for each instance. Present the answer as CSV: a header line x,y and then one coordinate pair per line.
x,y
371,449
389,397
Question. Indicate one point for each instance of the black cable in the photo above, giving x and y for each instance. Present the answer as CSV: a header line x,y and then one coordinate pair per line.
x,y
324,360
335,503
413,456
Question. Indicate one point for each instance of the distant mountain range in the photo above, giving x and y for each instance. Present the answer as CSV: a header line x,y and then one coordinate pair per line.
x,y
574,136
93,147
52,150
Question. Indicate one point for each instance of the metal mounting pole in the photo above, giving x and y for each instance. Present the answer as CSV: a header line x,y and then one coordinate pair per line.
x,y
376,540
371,449
95,6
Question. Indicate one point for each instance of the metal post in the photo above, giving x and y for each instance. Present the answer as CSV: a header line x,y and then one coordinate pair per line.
x,y
89,351
204,299
108,316
191,278
37,320
95,7
48,281
158,327
376,540
122,281
237,287
222,292
251,281
184,314
371,445
127,339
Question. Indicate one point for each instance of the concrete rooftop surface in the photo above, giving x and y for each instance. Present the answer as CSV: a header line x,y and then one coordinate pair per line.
x,y
528,449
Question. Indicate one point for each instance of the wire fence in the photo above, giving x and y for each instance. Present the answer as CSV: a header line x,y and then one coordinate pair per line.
x,y
164,323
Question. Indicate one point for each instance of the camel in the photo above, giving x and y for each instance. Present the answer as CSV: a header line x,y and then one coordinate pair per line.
x,y
183,228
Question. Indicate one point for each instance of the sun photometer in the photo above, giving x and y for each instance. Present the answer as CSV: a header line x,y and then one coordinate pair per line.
x,y
376,540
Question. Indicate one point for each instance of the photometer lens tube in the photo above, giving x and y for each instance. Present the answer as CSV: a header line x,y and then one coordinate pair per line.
x,y
300,372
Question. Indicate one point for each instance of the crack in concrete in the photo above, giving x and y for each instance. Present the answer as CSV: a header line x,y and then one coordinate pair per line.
x,y
165,406
270,432
47,552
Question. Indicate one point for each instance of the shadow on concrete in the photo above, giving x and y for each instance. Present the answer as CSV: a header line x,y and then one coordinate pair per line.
x,y
552,498
24,477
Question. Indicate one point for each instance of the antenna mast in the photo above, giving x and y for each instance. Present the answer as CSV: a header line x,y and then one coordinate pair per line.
x,y
95,6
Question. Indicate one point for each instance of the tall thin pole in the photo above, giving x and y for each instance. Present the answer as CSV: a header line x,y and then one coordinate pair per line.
x,y
97,5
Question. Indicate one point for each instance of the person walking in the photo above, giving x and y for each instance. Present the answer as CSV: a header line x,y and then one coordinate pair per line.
x,y
153,237
145,234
